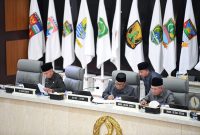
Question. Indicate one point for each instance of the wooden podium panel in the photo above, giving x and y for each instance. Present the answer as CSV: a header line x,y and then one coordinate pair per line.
x,y
23,115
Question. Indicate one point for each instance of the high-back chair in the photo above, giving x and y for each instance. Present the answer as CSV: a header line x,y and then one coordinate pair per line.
x,y
180,89
74,78
132,79
29,71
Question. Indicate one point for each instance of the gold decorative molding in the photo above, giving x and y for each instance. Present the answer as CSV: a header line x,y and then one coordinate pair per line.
x,y
110,123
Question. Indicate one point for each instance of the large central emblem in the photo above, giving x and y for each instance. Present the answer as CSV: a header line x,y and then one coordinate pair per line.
x,y
168,32
110,123
189,29
134,35
35,26
81,31
156,35
102,28
67,28
52,26
189,32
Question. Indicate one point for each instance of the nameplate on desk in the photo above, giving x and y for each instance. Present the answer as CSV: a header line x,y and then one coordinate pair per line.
x,y
126,104
78,98
175,112
24,91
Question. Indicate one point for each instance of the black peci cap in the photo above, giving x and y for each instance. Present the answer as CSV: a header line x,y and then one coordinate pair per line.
x,y
121,77
46,67
143,65
157,81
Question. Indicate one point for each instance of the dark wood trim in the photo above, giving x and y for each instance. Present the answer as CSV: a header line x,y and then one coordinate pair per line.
x,y
16,35
2,42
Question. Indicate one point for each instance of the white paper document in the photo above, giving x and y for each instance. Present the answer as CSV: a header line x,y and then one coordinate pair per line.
x,y
41,88
102,101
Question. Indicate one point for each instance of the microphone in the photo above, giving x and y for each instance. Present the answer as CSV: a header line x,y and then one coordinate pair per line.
x,y
91,87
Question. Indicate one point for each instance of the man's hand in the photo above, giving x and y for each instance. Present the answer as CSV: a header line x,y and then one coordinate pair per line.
x,y
48,90
143,102
110,97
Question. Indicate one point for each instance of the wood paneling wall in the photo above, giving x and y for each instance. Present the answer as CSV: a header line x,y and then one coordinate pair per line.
x,y
14,18
15,50
16,14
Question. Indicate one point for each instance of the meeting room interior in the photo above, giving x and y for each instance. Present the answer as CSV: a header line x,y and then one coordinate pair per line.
x,y
100,67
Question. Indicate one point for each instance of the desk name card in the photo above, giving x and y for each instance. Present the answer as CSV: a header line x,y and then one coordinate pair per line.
x,y
175,112
24,91
126,104
78,98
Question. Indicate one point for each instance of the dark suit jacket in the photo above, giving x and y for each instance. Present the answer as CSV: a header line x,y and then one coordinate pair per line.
x,y
111,90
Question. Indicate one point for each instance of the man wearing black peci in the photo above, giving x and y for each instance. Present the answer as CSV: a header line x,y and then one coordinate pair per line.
x,y
158,93
53,81
147,75
119,88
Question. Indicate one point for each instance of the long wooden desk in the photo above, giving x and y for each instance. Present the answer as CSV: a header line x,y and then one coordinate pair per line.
x,y
38,115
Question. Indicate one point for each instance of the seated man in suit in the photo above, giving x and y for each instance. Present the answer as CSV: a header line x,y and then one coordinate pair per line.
x,y
158,93
147,75
118,88
53,81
